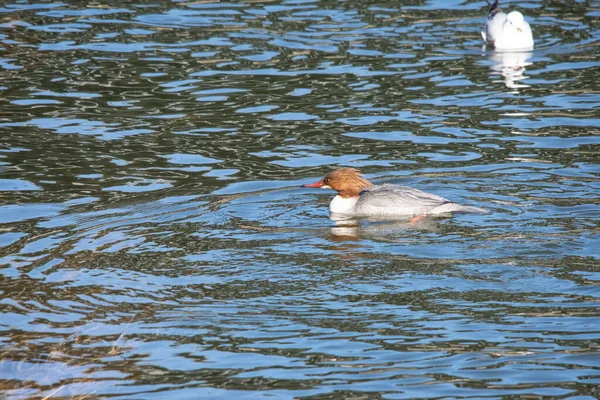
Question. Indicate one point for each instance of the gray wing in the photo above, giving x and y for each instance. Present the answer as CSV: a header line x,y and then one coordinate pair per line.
x,y
493,26
382,199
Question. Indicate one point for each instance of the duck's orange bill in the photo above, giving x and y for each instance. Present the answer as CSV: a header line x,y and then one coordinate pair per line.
x,y
313,185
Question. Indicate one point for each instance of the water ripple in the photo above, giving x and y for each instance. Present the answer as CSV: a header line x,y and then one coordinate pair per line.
x,y
154,236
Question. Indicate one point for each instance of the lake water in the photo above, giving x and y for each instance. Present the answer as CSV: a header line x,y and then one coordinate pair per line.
x,y
156,243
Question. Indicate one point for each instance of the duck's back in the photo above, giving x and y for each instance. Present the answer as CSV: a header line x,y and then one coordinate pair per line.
x,y
391,199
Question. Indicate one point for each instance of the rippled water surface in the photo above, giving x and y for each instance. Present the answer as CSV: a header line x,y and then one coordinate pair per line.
x,y
156,243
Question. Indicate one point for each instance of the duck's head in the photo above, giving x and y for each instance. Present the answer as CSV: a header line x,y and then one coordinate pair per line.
x,y
515,19
347,182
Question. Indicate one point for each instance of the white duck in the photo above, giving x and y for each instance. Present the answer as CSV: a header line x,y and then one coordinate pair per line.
x,y
507,31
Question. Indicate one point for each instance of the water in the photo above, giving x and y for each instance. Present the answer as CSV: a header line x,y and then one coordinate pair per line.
x,y
156,243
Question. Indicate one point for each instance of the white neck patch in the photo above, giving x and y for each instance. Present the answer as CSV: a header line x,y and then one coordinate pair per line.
x,y
342,205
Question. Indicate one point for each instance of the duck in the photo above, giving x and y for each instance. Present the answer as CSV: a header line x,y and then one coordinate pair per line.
x,y
507,31
356,196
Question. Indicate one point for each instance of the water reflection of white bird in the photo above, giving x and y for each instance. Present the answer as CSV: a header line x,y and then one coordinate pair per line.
x,y
511,65
507,31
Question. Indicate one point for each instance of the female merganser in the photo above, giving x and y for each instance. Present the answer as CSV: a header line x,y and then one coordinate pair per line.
x,y
507,32
358,196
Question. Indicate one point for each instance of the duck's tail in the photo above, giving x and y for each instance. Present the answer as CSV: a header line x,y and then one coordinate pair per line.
x,y
494,8
472,210
458,208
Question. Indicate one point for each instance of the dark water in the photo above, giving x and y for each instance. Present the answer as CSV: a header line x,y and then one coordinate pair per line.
x,y
156,243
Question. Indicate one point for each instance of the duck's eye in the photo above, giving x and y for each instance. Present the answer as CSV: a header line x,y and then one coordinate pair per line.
x,y
327,181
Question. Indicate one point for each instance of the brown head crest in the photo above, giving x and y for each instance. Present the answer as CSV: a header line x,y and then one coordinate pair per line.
x,y
348,182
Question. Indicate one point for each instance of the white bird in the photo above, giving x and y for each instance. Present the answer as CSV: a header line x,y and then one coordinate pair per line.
x,y
507,31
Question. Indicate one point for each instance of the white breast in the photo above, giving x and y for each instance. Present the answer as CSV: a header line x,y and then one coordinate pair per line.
x,y
343,205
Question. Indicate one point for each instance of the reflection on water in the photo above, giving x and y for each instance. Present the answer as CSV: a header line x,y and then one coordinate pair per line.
x,y
351,228
511,65
154,239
